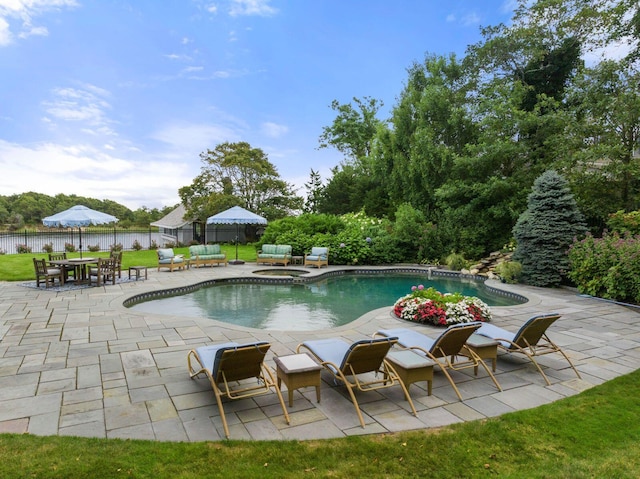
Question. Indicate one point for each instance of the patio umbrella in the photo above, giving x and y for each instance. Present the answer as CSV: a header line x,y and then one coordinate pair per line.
x,y
236,216
79,216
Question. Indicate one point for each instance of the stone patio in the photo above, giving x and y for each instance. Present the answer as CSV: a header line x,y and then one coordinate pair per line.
x,y
80,363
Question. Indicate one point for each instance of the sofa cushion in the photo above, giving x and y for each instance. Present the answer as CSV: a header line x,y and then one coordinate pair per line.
x,y
318,252
283,249
204,249
212,249
165,253
268,249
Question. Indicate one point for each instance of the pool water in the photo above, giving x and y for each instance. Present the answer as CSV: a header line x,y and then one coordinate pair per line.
x,y
327,303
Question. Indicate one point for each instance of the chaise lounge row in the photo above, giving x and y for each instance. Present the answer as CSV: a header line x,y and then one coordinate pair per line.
x,y
390,358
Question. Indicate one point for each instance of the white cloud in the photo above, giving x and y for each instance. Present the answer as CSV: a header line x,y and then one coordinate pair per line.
x,y
189,139
251,7
470,19
93,172
86,104
273,130
451,17
22,13
5,33
213,8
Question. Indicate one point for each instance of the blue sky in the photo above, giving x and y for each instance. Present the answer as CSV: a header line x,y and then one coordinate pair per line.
x,y
116,99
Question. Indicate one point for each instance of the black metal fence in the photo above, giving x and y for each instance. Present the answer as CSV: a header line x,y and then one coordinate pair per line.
x,y
76,239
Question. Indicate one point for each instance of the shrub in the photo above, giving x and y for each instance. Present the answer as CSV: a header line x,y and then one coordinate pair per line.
x,y
456,262
115,247
545,231
153,245
430,306
69,248
607,267
136,246
23,249
47,248
622,222
94,248
509,271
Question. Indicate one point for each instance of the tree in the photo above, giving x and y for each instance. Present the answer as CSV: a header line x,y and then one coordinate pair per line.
x,y
546,229
601,141
314,192
353,130
431,125
237,174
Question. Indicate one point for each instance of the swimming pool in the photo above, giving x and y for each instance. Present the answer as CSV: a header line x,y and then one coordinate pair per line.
x,y
309,305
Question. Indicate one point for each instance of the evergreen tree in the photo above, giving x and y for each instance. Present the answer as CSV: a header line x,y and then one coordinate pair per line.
x,y
546,229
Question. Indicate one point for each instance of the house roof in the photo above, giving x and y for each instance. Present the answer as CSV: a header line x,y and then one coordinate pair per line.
x,y
173,220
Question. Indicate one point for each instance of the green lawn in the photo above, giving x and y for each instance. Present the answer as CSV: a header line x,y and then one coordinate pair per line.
x,y
594,434
19,267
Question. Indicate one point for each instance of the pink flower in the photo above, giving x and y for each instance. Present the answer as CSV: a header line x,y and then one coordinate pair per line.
x,y
413,288
420,286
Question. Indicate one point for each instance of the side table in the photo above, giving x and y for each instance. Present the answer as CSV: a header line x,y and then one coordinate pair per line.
x,y
484,348
412,367
138,271
298,371
297,260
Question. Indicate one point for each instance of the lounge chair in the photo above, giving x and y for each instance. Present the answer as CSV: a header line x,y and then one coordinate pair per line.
x,y
231,362
46,273
531,340
443,350
168,259
319,256
344,360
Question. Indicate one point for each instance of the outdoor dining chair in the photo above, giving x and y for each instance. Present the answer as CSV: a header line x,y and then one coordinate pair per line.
x,y
46,273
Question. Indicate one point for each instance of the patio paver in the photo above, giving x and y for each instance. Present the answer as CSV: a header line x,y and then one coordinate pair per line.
x,y
80,363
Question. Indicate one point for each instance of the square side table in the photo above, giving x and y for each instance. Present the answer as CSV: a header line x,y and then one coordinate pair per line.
x,y
484,348
412,367
298,371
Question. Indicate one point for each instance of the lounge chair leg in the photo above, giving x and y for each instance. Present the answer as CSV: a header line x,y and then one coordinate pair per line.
x,y
278,392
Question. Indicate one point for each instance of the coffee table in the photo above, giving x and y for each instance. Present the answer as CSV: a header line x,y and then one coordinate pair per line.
x,y
298,371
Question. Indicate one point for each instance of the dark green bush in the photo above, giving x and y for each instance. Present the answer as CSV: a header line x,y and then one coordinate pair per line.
x,y
546,229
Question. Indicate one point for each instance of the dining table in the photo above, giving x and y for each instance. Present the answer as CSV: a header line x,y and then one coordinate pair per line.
x,y
80,265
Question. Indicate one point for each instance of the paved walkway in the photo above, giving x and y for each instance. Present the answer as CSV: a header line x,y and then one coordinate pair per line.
x,y
79,363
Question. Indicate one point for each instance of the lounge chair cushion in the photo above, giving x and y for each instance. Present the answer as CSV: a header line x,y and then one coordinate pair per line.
x,y
493,332
408,338
208,354
332,350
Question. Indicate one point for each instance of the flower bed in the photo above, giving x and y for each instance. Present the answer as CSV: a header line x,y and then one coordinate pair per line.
x,y
429,306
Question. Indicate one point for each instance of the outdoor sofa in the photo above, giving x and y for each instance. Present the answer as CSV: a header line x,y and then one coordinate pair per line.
x,y
204,254
275,254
